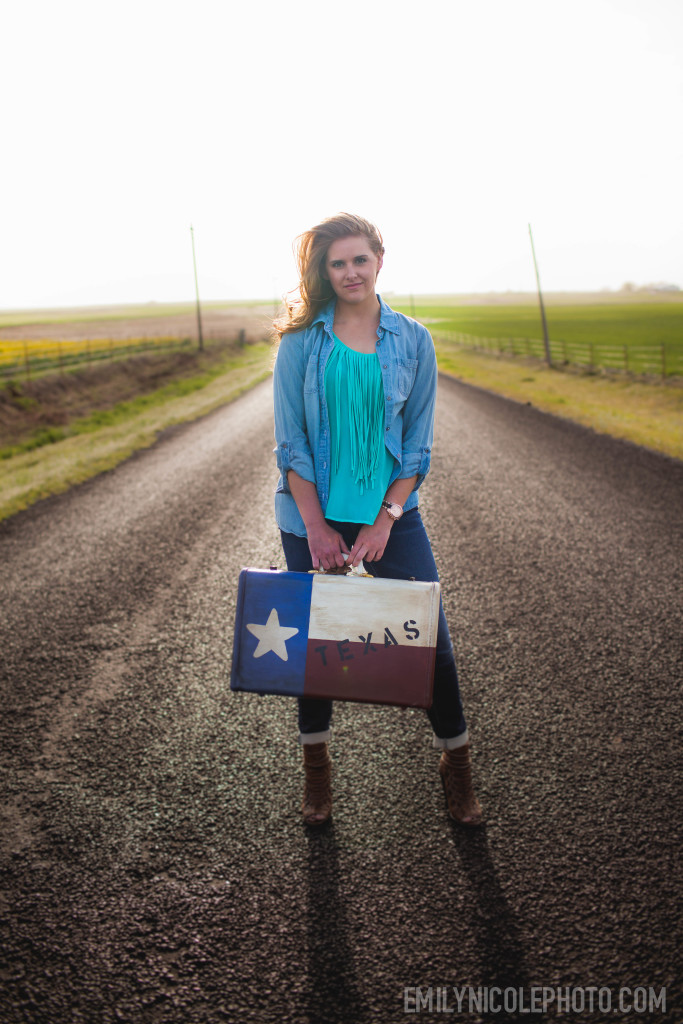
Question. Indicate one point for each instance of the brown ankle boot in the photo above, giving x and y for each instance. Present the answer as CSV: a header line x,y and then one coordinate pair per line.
x,y
456,775
317,804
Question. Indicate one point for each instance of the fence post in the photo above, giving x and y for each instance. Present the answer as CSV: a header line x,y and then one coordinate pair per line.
x,y
544,322
663,361
196,288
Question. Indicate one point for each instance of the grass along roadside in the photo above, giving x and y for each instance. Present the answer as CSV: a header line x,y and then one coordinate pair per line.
x,y
54,406
105,438
650,415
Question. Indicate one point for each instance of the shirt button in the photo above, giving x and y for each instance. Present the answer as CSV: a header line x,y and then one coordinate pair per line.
x,y
386,366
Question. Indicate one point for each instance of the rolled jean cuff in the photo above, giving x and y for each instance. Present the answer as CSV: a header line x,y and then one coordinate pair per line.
x,y
452,742
315,737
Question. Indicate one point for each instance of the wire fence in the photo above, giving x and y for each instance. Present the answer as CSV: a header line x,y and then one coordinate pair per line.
x,y
27,358
661,360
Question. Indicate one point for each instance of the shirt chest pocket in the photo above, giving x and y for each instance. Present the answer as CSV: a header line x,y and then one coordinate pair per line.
x,y
404,376
311,379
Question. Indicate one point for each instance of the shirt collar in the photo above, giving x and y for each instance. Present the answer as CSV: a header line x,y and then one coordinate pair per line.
x,y
388,319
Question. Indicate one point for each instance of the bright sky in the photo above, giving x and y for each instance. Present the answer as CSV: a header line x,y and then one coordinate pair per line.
x,y
450,123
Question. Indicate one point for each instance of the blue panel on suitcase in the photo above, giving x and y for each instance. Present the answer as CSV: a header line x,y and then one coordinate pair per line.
x,y
271,632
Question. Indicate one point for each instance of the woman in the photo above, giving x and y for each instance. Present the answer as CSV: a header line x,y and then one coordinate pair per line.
x,y
355,389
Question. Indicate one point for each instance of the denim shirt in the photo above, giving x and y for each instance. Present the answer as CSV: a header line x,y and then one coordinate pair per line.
x,y
302,430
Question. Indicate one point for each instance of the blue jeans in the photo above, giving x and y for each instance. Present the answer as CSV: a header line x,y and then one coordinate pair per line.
x,y
408,554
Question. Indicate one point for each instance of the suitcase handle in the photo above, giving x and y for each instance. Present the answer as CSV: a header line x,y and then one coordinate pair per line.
x,y
342,570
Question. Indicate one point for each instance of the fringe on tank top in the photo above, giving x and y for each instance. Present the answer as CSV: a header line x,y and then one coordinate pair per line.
x,y
365,411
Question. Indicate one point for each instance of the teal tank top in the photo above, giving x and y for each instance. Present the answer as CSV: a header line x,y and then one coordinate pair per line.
x,y
361,465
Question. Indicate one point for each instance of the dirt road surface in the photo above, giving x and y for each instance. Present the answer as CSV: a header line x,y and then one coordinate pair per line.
x,y
154,868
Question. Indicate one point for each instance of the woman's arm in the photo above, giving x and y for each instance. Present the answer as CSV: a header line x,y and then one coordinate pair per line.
x,y
418,411
293,450
372,539
327,547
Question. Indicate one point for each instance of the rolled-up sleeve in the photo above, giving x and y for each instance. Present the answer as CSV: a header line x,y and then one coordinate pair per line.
x,y
418,413
293,450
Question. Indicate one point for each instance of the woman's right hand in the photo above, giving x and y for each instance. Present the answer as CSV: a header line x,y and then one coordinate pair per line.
x,y
327,547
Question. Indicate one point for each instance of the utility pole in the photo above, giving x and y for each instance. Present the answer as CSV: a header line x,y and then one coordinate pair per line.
x,y
546,341
196,288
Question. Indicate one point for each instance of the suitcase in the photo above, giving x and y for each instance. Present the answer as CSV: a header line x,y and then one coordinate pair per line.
x,y
352,637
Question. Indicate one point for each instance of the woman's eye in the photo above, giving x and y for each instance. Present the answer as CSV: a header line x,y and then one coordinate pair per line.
x,y
361,259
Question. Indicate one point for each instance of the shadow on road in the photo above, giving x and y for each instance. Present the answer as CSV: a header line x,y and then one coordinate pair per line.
x,y
333,992
494,928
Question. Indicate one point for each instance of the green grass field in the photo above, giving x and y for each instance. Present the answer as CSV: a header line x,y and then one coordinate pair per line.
x,y
639,334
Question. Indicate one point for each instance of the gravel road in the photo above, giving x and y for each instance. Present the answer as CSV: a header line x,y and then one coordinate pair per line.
x,y
154,868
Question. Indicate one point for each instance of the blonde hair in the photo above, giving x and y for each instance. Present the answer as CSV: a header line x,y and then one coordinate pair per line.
x,y
310,249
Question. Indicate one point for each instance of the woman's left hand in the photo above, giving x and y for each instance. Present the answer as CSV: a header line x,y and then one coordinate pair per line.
x,y
371,541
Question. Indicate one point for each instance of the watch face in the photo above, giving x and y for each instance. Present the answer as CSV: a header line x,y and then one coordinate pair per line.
x,y
393,510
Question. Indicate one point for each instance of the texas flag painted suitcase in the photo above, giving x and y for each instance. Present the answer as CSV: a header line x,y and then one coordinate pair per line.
x,y
353,637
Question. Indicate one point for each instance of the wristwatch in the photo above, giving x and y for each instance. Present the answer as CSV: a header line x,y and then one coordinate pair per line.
x,y
393,509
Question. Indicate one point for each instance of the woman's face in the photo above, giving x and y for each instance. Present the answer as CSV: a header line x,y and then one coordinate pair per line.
x,y
352,268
